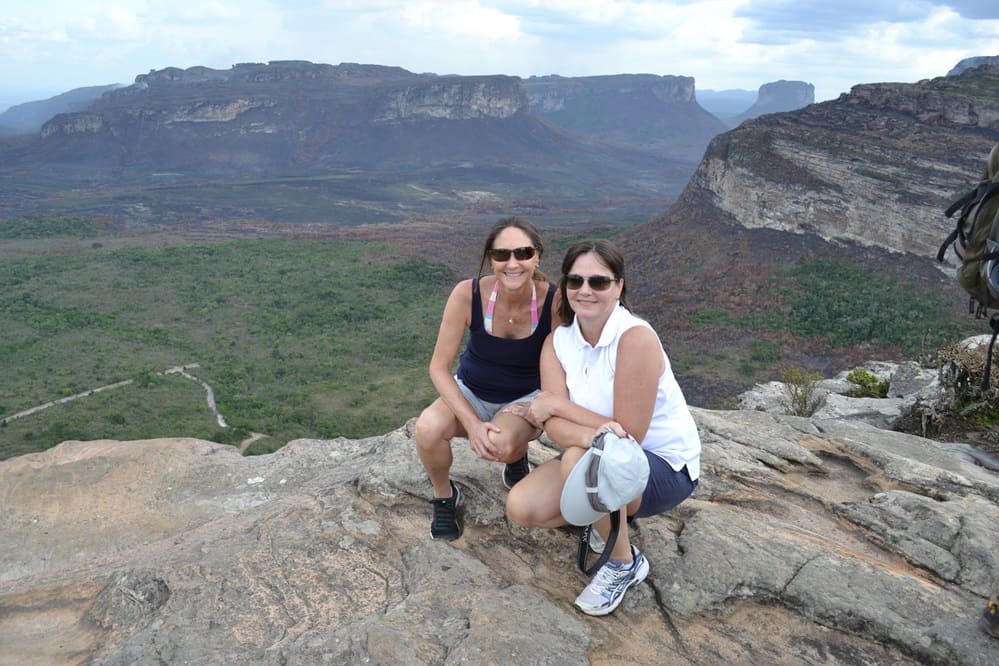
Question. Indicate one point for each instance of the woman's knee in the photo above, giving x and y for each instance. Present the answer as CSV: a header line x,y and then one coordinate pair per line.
x,y
430,429
518,508
509,448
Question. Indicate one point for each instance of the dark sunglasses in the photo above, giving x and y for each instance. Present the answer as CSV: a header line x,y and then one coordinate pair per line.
x,y
521,254
597,282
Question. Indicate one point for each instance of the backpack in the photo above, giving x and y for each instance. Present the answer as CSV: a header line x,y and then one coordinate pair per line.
x,y
975,239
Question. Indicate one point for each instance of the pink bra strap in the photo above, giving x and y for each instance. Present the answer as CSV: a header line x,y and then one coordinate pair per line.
x,y
487,319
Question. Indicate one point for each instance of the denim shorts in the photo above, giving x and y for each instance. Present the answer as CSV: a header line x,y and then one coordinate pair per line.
x,y
487,410
666,488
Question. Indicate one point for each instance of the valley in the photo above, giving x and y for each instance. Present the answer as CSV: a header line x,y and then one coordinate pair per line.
x,y
304,267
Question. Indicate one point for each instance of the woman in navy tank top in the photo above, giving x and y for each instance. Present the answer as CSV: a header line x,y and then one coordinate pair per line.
x,y
508,314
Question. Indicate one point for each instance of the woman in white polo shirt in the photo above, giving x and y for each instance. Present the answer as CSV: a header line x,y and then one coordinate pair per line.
x,y
605,369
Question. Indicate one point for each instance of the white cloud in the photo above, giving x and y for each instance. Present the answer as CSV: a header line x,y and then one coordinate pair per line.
x,y
721,43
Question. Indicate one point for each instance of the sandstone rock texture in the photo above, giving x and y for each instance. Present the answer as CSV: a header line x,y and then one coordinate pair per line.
x,y
807,541
877,166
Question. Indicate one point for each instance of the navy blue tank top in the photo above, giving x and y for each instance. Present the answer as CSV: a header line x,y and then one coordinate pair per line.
x,y
497,369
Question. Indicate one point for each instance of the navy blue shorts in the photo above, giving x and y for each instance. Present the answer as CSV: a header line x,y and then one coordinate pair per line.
x,y
666,487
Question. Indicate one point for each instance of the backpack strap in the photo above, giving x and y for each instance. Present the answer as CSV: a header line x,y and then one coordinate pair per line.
x,y
584,545
994,325
961,201
978,196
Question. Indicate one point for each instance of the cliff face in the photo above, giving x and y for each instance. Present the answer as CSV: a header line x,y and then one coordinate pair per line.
x,y
271,115
876,166
453,99
653,112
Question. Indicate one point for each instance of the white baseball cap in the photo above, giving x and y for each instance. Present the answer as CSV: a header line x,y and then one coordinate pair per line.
x,y
612,472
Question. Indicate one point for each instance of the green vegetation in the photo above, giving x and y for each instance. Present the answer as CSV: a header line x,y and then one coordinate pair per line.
x,y
297,338
848,305
800,395
712,317
48,228
867,385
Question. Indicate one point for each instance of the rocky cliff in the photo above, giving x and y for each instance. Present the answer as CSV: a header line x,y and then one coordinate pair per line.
x,y
848,543
276,115
29,117
777,97
971,63
876,166
657,112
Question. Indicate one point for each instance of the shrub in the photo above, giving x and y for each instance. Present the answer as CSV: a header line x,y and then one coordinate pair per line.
x,y
867,385
801,397
962,371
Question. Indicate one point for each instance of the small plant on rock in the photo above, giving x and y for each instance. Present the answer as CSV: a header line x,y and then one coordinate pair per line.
x,y
867,385
801,397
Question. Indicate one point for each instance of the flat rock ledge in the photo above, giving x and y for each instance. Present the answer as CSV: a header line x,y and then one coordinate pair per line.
x,y
808,541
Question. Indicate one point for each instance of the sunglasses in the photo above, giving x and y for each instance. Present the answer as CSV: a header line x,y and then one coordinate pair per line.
x,y
597,282
520,253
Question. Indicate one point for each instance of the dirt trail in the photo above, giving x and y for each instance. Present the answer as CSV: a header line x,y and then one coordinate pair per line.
x,y
176,370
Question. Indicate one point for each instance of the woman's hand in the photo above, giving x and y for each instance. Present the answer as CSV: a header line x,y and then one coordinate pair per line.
x,y
523,410
541,408
614,427
478,439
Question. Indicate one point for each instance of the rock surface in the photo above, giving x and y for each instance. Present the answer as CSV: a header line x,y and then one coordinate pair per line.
x,y
848,544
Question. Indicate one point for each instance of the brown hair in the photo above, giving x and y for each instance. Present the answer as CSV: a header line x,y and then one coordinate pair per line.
x,y
609,255
516,223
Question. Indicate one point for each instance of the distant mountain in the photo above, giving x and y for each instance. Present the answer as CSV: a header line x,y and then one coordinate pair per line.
x,y
776,97
970,63
365,132
643,110
29,117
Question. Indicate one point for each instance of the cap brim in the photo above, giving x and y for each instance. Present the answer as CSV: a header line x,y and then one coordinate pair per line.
x,y
575,503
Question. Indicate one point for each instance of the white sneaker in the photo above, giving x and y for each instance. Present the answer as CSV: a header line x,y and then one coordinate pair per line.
x,y
606,591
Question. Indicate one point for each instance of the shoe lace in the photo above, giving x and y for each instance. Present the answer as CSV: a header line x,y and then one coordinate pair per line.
x,y
444,513
608,578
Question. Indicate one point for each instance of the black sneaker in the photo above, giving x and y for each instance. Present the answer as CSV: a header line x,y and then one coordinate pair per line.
x,y
446,524
515,471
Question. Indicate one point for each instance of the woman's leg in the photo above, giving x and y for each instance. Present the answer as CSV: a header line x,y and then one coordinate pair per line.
x,y
534,502
515,433
622,546
665,490
435,427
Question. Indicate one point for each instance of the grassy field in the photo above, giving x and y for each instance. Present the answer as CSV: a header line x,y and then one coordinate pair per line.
x,y
297,338
310,338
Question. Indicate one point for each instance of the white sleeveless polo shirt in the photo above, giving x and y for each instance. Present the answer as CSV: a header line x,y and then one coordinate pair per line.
x,y
589,373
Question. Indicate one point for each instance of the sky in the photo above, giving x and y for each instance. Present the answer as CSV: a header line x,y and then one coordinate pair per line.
x,y
52,46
